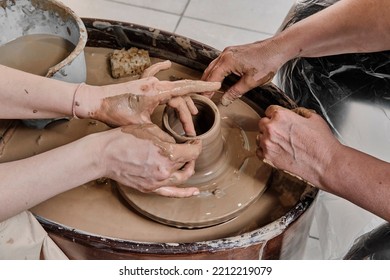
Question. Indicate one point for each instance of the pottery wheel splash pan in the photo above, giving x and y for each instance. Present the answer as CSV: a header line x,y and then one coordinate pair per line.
x,y
240,178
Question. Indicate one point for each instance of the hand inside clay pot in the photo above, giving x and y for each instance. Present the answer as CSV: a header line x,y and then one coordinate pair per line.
x,y
141,97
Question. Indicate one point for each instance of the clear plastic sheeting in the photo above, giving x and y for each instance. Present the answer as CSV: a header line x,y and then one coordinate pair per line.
x,y
352,92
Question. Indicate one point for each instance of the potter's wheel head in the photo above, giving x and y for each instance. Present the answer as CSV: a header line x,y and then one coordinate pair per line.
x,y
238,182
214,205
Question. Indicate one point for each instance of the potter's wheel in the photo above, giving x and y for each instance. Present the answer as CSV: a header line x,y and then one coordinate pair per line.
x,y
237,183
92,221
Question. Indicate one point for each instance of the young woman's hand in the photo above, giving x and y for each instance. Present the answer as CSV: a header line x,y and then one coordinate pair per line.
x,y
147,159
134,102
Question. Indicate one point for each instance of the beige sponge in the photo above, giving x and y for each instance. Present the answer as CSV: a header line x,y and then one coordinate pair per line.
x,y
131,62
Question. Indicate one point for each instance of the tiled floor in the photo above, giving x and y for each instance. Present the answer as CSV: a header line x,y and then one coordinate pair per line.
x,y
240,21
222,23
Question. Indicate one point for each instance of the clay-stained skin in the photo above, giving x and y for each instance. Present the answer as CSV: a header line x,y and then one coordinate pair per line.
x,y
281,143
162,140
148,131
254,63
163,166
262,80
155,68
138,108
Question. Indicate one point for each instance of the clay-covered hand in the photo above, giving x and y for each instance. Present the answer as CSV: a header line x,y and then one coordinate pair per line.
x,y
147,159
298,141
138,99
255,63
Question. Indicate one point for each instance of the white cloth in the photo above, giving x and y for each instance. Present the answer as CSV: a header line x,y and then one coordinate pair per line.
x,y
23,238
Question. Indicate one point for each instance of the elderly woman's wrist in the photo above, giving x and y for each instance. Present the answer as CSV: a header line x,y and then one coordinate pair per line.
x,y
291,44
330,174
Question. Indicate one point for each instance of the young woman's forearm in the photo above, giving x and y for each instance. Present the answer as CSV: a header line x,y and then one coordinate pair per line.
x,y
27,96
25,183
348,26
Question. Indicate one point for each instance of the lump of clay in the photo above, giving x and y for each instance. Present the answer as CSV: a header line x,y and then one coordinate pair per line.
x,y
131,62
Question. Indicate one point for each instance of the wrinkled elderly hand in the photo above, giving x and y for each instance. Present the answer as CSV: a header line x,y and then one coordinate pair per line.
x,y
255,63
147,159
298,141
134,102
